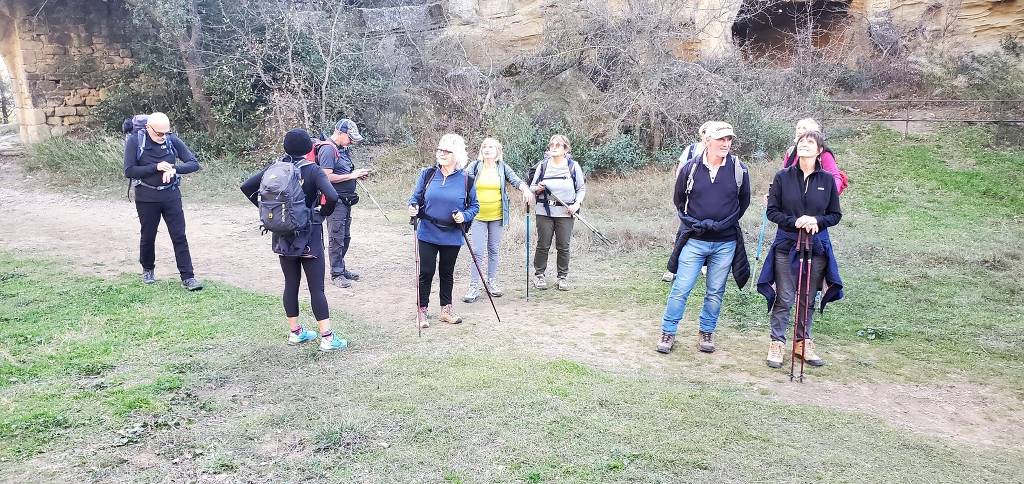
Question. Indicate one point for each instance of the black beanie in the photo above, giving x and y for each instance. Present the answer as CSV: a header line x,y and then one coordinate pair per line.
x,y
297,142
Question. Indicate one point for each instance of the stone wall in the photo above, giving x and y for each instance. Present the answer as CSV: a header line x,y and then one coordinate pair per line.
x,y
56,51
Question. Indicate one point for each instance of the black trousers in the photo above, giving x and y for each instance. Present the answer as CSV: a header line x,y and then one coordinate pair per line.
x,y
314,267
149,217
446,266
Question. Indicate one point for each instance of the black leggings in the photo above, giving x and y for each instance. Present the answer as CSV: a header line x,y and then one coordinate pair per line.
x,y
429,263
292,267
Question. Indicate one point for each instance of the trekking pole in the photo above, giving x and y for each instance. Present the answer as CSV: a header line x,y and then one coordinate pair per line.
x,y
760,244
808,311
581,219
416,282
372,199
478,271
796,312
527,266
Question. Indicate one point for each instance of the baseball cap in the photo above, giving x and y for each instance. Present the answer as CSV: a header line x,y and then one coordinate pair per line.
x,y
720,130
349,127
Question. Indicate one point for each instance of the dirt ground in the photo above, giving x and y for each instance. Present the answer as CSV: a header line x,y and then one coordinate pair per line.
x,y
100,237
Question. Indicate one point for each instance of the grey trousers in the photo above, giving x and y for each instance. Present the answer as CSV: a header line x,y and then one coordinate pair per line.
x,y
561,229
339,235
785,294
486,237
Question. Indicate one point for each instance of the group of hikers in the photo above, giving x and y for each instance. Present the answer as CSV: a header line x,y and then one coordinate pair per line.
x,y
314,182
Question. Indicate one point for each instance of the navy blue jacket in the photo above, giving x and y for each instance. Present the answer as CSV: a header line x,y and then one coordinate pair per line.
x,y
144,167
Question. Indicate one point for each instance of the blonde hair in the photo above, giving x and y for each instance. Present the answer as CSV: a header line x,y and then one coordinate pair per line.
x,y
457,145
497,145
558,138
812,125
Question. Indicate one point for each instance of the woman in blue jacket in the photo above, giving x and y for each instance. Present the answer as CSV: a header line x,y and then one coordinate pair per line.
x,y
802,197
443,200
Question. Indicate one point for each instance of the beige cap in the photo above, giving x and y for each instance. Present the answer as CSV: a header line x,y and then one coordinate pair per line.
x,y
719,130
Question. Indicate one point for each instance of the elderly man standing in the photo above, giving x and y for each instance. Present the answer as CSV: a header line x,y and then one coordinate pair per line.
x,y
711,194
151,158
334,159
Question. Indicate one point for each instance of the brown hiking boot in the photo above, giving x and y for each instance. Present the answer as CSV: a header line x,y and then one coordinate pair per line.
x,y
421,318
666,343
775,354
448,315
805,351
706,342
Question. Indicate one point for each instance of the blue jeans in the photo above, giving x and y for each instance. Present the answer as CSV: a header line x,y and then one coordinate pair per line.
x,y
718,256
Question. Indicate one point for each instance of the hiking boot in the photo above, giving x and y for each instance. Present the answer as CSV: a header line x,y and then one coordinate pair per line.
x,y
192,284
421,318
775,352
304,336
668,276
706,342
472,294
666,343
341,281
333,343
352,276
539,282
806,352
563,285
448,315
148,277
495,288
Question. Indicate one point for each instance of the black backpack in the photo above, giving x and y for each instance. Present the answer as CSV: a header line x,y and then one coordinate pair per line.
x,y
135,126
282,202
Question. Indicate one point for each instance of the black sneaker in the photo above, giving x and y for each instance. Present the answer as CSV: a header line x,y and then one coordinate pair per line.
x,y
352,276
148,277
192,284
706,342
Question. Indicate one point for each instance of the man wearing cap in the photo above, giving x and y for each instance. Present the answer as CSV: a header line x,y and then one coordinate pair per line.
x,y
151,160
337,164
711,194
691,152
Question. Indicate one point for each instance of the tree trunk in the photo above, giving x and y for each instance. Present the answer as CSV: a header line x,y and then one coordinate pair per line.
x,y
189,49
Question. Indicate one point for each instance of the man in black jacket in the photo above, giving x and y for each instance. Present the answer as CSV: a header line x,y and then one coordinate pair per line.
x,y
151,160
712,192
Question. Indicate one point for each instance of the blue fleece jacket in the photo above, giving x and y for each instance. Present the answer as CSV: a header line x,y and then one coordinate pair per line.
x,y
440,196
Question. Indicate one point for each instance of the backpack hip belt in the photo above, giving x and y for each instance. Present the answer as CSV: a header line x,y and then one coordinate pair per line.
x,y
173,185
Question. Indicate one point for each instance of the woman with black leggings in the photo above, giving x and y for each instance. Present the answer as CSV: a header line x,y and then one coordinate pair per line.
x,y
443,200
307,246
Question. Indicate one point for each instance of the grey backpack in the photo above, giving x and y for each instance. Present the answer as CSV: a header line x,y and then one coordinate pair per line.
x,y
282,202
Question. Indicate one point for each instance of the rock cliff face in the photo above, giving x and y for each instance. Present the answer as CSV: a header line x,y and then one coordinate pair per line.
x,y
497,29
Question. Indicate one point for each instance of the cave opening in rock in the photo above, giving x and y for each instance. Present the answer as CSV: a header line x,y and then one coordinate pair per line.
x,y
777,30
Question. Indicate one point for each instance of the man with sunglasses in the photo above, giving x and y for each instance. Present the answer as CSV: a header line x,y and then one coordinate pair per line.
x,y
335,160
151,159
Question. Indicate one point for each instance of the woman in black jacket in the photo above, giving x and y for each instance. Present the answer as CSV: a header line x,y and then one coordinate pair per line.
x,y
802,197
311,258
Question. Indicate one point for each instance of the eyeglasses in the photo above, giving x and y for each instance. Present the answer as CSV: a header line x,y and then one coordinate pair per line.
x,y
443,152
158,133
557,145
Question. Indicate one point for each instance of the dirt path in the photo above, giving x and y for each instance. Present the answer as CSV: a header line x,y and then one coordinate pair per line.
x,y
99,236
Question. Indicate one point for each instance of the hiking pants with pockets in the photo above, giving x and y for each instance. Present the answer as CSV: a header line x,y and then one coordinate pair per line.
x,y
339,229
561,229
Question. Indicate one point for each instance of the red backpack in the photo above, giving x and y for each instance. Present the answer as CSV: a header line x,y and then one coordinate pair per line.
x,y
311,156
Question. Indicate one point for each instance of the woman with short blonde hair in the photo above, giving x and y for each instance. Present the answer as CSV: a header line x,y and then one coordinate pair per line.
x,y
491,174
443,200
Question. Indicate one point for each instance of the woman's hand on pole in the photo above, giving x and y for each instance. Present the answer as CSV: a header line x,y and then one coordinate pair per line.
x,y
413,210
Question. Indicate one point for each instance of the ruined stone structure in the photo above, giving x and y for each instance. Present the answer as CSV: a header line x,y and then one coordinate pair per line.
x,y
54,50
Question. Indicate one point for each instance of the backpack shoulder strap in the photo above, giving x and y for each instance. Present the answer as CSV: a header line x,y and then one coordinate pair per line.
x,y
425,176
738,169
141,136
689,184
572,173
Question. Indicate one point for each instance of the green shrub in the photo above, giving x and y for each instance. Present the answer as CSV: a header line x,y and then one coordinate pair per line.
x,y
620,156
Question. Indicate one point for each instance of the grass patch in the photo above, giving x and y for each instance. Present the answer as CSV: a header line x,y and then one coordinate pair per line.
x,y
95,167
79,355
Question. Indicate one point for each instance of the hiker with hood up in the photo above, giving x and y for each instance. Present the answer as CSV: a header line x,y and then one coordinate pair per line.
x,y
802,197
303,251
442,201
151,158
